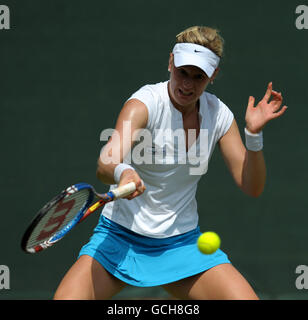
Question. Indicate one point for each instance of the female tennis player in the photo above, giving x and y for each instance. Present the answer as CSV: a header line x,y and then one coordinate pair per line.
x,y
149,238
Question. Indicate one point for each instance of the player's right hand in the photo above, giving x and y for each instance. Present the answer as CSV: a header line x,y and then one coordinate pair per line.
x,y
128,176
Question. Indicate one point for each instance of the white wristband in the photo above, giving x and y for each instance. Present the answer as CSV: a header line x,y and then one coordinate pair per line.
x,y
119,170
254,141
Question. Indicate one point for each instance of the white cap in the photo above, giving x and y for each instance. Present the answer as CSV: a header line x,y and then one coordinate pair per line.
x,y
195,55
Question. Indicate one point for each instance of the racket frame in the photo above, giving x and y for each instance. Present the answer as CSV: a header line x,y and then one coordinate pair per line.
x,y
80,216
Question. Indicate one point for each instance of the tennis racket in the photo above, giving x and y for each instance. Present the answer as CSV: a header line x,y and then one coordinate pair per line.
x,y
61,214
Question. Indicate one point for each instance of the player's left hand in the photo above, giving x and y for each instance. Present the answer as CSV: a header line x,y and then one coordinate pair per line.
x,y
266,110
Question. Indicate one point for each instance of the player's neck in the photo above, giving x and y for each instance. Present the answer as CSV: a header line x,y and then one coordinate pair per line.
x,y
187,110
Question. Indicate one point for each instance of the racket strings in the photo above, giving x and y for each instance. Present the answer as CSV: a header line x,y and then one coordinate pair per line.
x,y
58,216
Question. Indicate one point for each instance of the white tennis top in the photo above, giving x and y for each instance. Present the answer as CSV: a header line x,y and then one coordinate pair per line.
x,y
168,206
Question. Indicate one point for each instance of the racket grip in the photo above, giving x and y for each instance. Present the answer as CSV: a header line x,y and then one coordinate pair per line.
x,y
124,191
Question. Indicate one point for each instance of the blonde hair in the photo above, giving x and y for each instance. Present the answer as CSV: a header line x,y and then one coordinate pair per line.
x,y
204,36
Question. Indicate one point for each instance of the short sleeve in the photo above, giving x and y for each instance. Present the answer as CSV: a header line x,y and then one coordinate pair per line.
x,y
224,119
149,97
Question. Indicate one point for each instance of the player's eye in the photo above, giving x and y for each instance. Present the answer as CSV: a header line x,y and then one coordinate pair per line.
x,y
183,72
200,77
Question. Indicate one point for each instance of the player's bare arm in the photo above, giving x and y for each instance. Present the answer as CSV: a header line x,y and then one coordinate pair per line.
x,y
132,118
248,167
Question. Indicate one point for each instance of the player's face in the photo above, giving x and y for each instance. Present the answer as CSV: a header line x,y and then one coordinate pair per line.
x,y
187,83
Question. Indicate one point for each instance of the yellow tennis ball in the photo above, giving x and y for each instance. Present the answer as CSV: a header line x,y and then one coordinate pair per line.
x,y
208,242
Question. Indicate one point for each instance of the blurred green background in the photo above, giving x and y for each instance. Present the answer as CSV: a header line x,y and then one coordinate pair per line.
x,y
67,67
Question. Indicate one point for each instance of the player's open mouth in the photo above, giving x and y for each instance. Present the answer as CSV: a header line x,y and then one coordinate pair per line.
x,y
186,94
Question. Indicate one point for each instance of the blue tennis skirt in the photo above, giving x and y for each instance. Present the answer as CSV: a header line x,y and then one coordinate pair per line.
x,y
146,262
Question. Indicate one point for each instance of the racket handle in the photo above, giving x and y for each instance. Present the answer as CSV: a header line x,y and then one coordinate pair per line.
x,y
124,191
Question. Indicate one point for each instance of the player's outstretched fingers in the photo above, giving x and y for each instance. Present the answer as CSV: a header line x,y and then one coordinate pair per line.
x,y
268,92
251,102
